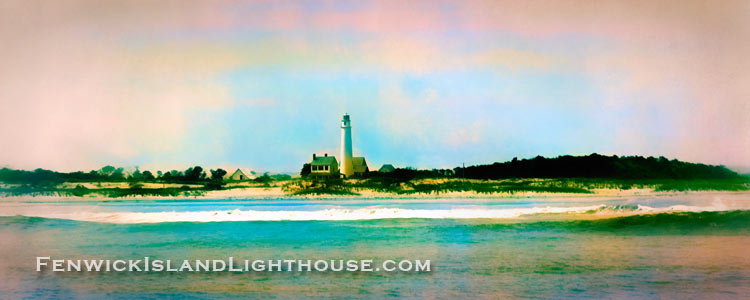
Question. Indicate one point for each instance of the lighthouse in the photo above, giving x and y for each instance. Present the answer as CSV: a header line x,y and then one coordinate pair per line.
x,y
328,166
347,168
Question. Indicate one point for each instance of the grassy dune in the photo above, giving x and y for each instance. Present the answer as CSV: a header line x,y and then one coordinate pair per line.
x,y
484,187
382,185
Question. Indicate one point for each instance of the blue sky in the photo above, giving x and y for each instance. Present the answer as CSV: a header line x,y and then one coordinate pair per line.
x,y
263,84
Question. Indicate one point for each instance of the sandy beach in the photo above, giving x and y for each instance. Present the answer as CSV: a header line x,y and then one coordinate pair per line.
x,y
275,192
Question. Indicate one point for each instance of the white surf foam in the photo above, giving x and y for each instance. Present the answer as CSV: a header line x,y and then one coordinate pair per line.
x,y
341,214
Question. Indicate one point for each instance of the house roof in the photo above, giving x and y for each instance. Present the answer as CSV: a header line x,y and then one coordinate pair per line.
x,y
359,165
387,168
324,160
244,171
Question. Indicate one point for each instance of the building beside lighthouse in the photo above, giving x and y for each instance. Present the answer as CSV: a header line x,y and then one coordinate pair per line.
x,y
325,166
347,165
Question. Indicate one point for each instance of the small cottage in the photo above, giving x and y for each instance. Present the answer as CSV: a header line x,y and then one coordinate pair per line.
x,y
324,166
240,175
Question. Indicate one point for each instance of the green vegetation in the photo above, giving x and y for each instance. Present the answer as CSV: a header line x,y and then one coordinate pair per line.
x,y
194,181
114,182
564,174
459,185
739,184
193,175
437,186
318,186
597,166
80,191
663,185
325,191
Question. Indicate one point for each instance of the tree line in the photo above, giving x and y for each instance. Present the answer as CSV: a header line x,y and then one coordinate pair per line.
x,y
596,166
590,166
194,174
567,166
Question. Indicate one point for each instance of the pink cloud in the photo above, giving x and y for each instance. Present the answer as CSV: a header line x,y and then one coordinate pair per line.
x,y
66,64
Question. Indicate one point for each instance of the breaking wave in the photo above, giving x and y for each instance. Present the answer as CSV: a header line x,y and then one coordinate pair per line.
x,y
342,214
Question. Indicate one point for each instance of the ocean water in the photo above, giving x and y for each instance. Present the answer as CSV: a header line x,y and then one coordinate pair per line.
x,y
680,246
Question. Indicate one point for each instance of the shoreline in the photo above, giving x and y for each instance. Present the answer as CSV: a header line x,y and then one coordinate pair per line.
x,y
371,188
275,193
537,209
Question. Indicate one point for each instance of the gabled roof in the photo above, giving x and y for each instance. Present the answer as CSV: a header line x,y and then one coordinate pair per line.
x,y
359,165
324,160
244,171
387,168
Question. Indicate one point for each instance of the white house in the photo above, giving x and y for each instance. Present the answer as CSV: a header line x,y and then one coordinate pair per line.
x,y
241,174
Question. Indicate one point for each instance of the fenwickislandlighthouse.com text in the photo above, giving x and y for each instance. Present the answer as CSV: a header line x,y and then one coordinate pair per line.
x,y
230,264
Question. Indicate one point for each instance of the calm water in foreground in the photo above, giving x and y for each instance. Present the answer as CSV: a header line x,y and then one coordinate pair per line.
x,y
699,254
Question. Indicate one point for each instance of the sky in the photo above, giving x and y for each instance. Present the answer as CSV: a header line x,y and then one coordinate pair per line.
x,y
429,84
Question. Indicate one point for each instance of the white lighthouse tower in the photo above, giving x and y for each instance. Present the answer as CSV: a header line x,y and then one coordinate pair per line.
x,y
347,168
